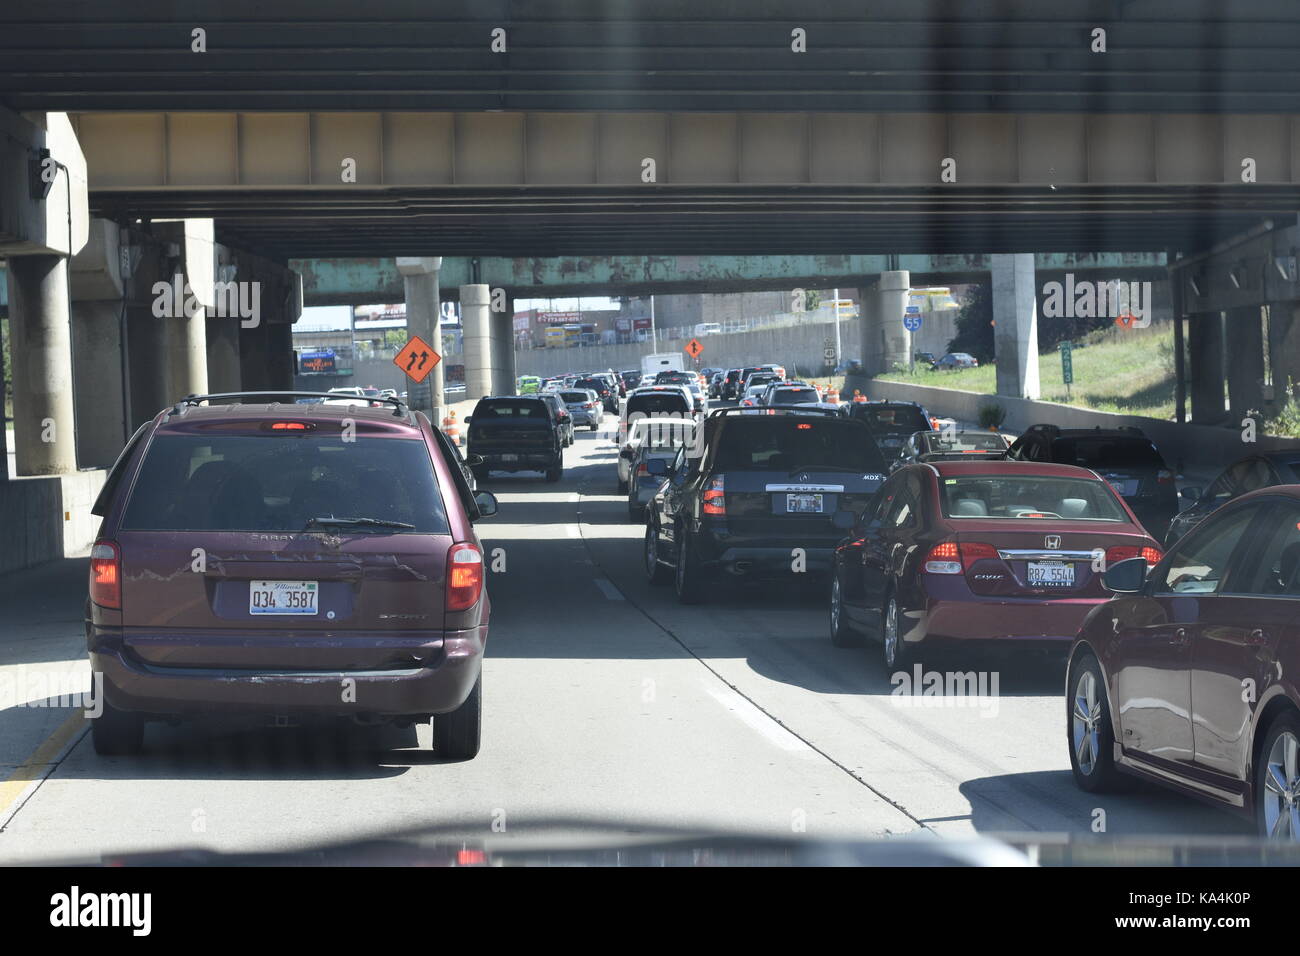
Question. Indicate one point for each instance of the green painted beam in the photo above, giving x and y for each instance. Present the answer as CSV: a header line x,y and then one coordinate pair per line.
x,y
359,281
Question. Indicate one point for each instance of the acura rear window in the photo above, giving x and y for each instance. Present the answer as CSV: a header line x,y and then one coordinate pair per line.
x,y
791,444
271,483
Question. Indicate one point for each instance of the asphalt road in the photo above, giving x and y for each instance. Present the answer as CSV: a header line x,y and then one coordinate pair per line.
x,y
604,700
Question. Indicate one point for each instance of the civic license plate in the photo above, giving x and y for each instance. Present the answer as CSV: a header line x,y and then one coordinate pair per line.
x,y
803,504
1051,574
282,597
509,457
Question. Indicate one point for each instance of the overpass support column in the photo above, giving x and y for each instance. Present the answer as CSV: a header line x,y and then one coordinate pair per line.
x,y
424,318
476,319
884,340
223,355
41,346
503,340
1284,324
98,294
1015,336
1244,355
187,354
1205,345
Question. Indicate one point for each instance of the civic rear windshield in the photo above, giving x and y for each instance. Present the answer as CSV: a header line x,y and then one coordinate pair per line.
x,y
788,444
894,420
273,483
1028,496
508,410
1107,453
657,404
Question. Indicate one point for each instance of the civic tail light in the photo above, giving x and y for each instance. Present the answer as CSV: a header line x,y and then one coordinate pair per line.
x,y
715,502
106,574
464,576
1122,552
949,557
642,470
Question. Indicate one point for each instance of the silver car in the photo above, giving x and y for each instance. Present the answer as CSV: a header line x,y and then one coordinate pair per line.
x,y
652,438
584,406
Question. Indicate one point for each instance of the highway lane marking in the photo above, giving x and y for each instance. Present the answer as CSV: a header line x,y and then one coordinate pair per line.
x,y
40,764
609,590
756,719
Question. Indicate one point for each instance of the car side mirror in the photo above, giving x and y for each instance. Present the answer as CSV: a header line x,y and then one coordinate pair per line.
x,y
1126,577
468,419
1190,493
657,466
844,520
486,503
474,461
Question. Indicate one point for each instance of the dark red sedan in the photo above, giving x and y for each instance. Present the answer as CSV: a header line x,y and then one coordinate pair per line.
x,y
1188,677
1003,552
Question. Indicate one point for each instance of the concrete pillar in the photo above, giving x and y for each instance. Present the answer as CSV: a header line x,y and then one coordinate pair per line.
x,y
40,342
102,429
476,319
1015,336
884,340
223,355
187,354
280,355
1284,326
424,318
503,349
1205,345
254,364
1244,357
148,350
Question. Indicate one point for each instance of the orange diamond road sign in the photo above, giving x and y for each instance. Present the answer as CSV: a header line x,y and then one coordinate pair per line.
x,y
694,348
417,359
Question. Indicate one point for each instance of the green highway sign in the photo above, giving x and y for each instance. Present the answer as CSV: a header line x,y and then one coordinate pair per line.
x,y
1067,362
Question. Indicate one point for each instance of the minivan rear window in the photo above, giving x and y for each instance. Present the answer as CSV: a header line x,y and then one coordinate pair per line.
x,y
1107,453
794,443
225,482
892,419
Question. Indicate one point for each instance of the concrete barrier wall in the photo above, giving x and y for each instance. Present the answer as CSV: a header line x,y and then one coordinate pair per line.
x,y
1202,445
44,519
791,346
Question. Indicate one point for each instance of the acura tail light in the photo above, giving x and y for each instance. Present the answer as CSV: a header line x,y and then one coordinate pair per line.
x,y
106,574
1164,476
715,502
464,576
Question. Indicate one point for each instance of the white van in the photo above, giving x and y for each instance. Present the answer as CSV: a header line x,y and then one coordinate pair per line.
x,y
709,328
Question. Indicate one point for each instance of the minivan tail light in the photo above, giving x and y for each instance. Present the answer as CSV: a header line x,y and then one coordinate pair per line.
x,y
715,501
464,576
106,575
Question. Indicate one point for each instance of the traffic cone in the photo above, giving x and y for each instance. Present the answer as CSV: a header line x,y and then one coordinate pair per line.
x,y
833,395
449,428
858,396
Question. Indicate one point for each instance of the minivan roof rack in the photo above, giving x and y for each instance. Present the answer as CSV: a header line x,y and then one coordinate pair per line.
x,y
399,407
773,410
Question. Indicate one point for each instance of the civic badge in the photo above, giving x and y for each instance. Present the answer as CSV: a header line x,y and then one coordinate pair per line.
x,y
1052,541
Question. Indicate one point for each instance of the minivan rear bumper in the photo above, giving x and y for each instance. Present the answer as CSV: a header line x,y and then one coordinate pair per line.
x,y
437,685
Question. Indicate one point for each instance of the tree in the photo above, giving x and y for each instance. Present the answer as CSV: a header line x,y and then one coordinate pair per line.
x,y
975,324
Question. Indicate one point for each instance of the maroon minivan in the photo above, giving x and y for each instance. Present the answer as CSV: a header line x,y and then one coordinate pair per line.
x,y
283,561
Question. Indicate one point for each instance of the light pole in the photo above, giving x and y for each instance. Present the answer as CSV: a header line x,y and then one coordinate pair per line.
x,y
654,336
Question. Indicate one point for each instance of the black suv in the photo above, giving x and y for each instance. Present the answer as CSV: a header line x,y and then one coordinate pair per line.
x,y
515,433
757,497
892,423
1124,457
603,388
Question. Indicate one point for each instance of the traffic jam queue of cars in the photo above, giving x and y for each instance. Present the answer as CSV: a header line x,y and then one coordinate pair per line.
x,y
921,536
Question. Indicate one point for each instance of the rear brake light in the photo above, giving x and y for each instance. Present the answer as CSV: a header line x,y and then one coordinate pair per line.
x,y
949,557
642,469
289,426
106,575
803,426
715,502
1122,552
464,576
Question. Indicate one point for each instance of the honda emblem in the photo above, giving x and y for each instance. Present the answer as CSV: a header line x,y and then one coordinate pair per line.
x,y
1052,541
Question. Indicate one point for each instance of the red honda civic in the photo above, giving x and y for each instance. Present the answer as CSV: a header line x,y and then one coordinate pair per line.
x,y
1003,552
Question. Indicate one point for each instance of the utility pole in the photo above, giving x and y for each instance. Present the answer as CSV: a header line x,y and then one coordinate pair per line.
x,y
654,336
837,328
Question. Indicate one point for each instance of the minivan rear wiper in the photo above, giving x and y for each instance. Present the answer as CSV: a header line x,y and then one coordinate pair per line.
x,y
356,522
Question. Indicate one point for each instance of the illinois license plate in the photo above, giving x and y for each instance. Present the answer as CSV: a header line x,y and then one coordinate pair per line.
x,y
283,597
509,457
803,504
1051,574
